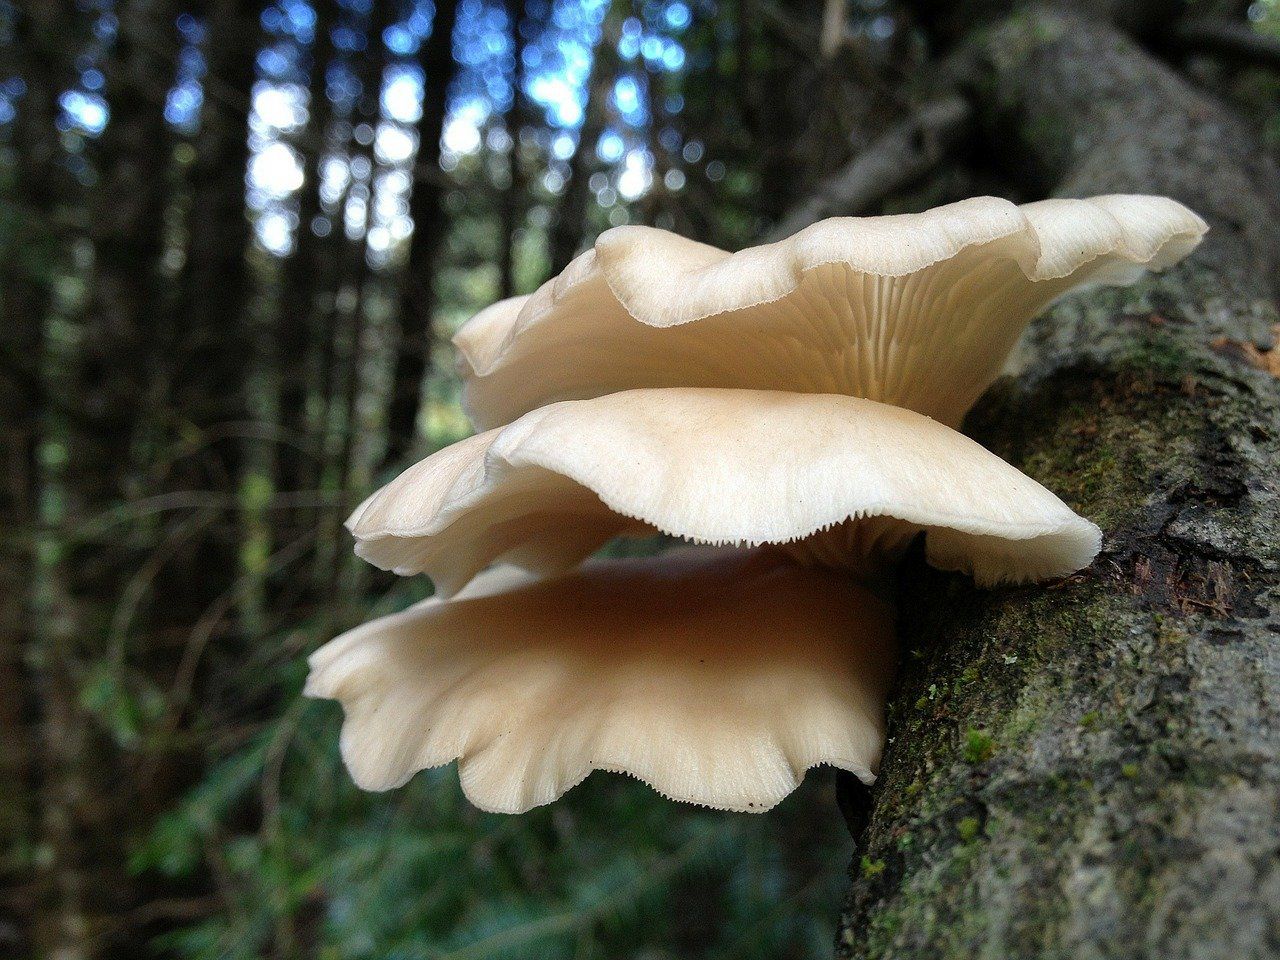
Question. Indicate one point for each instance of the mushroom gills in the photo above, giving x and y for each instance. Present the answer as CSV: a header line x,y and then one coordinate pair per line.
x,y
917,310
835,481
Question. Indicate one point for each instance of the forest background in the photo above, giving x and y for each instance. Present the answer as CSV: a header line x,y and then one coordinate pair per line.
x,y
235,238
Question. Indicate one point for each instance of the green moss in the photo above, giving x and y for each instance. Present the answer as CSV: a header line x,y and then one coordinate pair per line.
x,y
969,675
1157,357
968,828
871,868
979,746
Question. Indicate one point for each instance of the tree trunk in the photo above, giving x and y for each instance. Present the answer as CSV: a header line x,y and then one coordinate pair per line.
x,y
28,271
85,816
207,369
215,282
1093,769
371,72
513,198
307,282
569,225
426,209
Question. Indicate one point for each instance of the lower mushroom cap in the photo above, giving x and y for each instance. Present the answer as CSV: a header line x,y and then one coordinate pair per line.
x,y
720,466
716,676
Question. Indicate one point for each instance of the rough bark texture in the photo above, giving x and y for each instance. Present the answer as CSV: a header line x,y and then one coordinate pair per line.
x,y
1093,769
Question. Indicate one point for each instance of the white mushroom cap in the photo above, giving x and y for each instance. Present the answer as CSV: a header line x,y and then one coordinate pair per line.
x,y
741,467
718,677
917,310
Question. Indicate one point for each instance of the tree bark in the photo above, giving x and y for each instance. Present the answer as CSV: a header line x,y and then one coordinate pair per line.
x,y
1093,769
370,71
206,372
85,818
215,282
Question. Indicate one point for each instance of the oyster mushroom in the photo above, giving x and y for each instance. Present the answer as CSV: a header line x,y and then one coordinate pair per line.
x,y
788,408
916,310
834,480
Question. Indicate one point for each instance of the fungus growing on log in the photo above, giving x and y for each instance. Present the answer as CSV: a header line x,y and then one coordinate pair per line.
x,y
916,310
716,675
774,407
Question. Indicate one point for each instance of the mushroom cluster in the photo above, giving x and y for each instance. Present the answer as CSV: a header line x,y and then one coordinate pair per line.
x,y
790,412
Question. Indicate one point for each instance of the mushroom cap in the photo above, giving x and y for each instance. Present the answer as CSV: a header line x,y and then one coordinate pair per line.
x,y
717,677
916,310
743,467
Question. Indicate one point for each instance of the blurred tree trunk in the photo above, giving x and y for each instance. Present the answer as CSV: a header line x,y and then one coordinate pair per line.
x,y
208,366
126,228
153,387
342,574
513,201
371,70
85,821
306,282
1093,769
570,220
430,223
215,282
29,262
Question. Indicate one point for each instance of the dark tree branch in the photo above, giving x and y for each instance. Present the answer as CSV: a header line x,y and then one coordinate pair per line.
x,y
896,159
1228,39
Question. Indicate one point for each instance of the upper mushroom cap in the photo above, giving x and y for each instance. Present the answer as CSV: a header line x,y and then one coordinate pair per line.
x,y
718,677
719,466
916,310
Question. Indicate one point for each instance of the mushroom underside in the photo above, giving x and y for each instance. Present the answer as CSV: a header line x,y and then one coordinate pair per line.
x,y
716,676
920,311
843,482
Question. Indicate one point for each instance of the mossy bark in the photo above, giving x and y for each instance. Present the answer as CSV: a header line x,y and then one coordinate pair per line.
x,y
1093,769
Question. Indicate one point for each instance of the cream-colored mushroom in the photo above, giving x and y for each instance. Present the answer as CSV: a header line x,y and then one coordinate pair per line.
x,y
836,480
916,310
717,676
